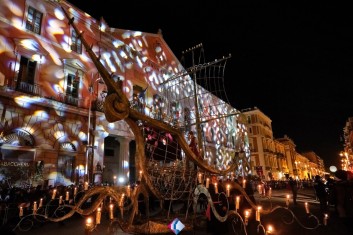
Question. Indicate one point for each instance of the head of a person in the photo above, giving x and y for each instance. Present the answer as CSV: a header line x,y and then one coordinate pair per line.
x,y
190,135
240,178
317,177
214,179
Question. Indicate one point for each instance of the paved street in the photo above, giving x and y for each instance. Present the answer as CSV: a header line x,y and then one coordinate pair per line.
x,y
281,219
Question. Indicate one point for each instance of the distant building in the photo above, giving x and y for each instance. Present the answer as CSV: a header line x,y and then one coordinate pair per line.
x,y
277,158
347,154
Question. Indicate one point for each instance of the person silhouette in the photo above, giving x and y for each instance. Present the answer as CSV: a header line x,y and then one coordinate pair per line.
x,y
294,188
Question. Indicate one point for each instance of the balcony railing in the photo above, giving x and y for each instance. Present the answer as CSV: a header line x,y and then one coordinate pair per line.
x,y
68,99
33,89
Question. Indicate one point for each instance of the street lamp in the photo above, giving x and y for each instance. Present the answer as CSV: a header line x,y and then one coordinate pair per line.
x,y
91,90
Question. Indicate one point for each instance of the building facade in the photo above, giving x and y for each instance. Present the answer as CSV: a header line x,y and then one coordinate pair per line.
x,y
277,158
53,128
347,153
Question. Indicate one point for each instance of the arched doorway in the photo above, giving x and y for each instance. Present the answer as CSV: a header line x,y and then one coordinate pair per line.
x,y
17,158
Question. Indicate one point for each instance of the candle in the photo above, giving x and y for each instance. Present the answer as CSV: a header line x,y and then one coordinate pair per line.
x,y
207,182
121,204
307,208
246,215
287,200
258,213
67,196
54,194
60,200
140,176
86,186
111,215
121,200
270,192
269,229
259,188
98,216
228,190
128,191
41,202
89,223
34,207
215,187
244,183
200,178
237,200
21,211
75,191
325,219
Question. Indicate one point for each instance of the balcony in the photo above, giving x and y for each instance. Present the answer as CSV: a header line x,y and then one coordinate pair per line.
x,y
68,99
33,89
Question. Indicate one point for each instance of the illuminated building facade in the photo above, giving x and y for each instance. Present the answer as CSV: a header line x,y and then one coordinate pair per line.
x,y
277,158
267,155
347,154
53,129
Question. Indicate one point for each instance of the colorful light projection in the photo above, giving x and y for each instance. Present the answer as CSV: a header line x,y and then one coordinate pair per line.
x,y
134,57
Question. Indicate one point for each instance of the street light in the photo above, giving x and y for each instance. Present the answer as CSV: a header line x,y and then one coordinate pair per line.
x,y
91,90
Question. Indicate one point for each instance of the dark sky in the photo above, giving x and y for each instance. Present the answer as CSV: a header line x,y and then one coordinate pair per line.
x,y
292,61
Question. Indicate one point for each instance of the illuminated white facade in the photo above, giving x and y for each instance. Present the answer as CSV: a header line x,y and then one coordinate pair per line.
x,y
51,97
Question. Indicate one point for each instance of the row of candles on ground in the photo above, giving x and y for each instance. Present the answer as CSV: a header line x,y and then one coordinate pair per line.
x,y
247,213
36,207
307,210
98,212
53,196
216,185
261,189
89,221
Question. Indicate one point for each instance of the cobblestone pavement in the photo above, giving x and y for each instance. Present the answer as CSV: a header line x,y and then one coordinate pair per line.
x,y
294,221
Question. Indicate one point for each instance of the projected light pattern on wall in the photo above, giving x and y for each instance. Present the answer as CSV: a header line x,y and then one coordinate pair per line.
x,y
63,77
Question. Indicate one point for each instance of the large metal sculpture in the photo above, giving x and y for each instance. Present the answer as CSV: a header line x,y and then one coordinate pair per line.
x,y
169,169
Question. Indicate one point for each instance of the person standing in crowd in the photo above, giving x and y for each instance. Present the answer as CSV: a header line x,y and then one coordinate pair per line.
x,y
193,143
329,187
320,192
249,192
340,190
294,188
214,226
193,146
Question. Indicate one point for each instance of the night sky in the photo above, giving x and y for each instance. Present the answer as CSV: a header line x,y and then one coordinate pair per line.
x,y
292,61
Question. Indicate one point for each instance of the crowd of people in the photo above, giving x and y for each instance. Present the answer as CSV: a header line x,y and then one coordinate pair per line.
x,y
336,192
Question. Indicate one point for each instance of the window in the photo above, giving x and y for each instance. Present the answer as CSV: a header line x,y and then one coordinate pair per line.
x,y
248,119
26,75
72,85
27,70
72,89
34,20
76,44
